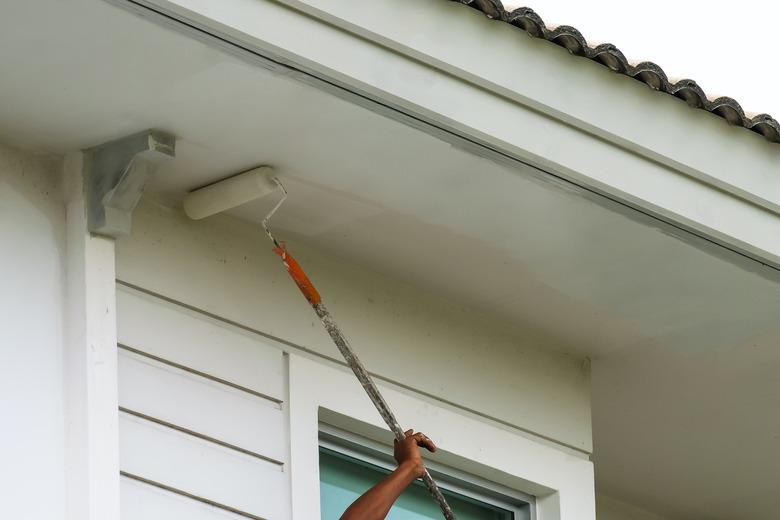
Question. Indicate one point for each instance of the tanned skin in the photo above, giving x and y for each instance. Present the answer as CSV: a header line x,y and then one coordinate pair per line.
x,y
375,503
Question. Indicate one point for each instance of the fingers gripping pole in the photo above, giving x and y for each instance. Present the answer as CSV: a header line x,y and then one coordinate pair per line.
x,y
313,297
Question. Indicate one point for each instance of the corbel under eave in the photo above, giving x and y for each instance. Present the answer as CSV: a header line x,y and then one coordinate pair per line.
x,y
115,175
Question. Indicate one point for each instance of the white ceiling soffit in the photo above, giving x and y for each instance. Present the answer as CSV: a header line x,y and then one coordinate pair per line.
x,y
580,268
387,195
564,116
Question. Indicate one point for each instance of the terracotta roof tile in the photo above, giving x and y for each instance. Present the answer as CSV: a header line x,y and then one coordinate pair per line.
x,y
647,72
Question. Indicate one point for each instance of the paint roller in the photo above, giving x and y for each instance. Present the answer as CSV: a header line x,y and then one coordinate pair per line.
x,y
229,193
259,182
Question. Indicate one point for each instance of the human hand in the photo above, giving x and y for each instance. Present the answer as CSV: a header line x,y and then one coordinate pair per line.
x,y
407,451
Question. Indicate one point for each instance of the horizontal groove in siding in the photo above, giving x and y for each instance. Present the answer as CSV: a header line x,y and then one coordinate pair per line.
x,y
202,500
287,345
204,375
207,438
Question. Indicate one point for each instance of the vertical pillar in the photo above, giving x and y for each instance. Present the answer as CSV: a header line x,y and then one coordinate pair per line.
x,y
90,362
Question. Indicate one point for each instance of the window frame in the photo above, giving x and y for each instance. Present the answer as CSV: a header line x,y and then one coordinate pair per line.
x,y
521,505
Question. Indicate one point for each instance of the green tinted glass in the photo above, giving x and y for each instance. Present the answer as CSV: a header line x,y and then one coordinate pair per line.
x,y
343,479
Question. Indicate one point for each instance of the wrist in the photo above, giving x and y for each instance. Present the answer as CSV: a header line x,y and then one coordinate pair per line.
x,y
411,469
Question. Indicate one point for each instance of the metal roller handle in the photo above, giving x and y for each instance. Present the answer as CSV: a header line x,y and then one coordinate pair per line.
x,y
313,297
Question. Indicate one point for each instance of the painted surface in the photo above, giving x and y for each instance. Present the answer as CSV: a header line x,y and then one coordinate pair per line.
x,y
697,435
180,96
610,509
203,416
560,85
90,363
186,416
400,332
543,252
518,124
599,284
32,234
650,287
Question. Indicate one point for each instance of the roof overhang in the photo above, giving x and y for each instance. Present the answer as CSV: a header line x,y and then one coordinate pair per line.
x,y
537,105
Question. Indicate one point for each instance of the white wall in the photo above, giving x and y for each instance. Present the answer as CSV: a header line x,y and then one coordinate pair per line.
x,y
439,362
610,509
164,405
204,412
32,234
225,266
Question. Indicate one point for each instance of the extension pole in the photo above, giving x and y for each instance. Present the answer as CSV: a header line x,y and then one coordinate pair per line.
x,y
313,297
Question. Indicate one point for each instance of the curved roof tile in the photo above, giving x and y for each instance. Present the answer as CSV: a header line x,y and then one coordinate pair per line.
x,y
647,72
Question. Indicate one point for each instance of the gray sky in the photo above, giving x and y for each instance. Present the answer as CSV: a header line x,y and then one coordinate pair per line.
x,y
730,49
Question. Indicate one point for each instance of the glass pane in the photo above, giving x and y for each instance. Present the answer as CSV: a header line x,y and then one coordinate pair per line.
x,y
343,480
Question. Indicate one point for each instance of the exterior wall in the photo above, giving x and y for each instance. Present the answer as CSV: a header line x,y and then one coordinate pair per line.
x,y
535,400
32,234
610,509
199,398
90,361
225,267
445,370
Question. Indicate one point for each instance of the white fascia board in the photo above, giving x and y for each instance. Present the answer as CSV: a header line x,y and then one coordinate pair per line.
x,y
425,58
578,92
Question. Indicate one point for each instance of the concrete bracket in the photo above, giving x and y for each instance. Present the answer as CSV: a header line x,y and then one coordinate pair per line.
x,y
115,175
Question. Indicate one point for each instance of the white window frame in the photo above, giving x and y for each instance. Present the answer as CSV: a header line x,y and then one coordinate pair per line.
x,y
521,505
324,392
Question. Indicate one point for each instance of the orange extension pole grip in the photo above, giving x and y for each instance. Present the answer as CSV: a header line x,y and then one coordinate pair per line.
x,y
299,277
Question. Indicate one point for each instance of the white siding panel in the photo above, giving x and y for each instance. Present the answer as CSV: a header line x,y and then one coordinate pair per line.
x,y
202,405
144,502
185,337
203,469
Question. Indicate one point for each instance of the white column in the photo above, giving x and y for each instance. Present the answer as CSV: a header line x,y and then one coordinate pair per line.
x,y
90,363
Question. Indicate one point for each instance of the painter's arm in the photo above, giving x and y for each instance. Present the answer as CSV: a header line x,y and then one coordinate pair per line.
x,y
375,503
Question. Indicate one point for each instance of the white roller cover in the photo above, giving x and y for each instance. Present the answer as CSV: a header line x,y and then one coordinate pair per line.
x,y
229,193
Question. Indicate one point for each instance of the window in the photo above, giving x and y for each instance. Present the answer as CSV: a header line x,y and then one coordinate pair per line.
x,y
350,465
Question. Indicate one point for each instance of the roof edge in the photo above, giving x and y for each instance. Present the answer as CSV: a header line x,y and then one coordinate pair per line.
x,y
612,58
